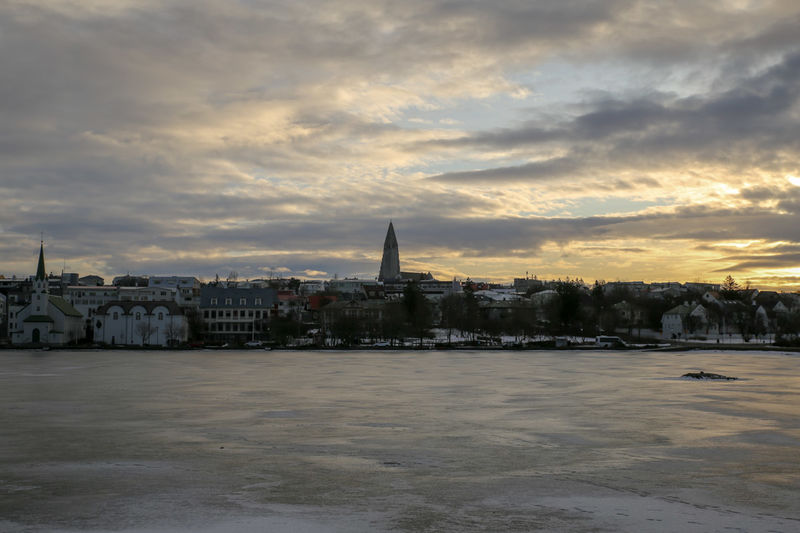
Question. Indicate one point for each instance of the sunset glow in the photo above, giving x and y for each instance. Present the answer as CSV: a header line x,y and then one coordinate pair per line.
x,y
616,140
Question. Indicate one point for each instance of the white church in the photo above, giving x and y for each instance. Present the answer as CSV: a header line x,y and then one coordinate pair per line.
x,y
47,319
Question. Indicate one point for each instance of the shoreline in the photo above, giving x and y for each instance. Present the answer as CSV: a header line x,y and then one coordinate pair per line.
x,y
689,347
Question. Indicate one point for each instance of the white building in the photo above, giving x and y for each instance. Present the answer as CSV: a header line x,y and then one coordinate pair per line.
x,y
187,288
685,320
47,319
141,323
87,299
148,294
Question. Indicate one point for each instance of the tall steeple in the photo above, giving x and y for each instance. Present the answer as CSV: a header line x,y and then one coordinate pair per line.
x,y
41,286
390,263
40,272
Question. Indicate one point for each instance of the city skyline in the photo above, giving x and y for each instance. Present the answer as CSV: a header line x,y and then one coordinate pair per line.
x,y
622,140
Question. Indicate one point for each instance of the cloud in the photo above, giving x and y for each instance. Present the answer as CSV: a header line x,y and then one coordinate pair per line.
x,y
192,137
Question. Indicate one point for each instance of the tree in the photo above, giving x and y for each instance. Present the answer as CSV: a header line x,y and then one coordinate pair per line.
x,y
345,329
522,321
743,317
174,332
469,316
144,330
419,316
197,325
451,307
566,309
392,322
730,290
285,328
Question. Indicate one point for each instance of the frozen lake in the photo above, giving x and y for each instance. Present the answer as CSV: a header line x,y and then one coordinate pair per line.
x,y
398,441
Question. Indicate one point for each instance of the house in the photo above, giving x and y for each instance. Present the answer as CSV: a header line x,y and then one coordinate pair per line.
x,y
365,312
91,281
712,298
150,323
87,299
237,315
47,319
688,319
290,304
187,288
628,313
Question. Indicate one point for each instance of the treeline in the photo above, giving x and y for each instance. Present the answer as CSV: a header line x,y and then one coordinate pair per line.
x,y
571,309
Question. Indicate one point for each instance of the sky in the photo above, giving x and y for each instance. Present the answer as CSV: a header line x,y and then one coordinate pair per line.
x,y
604,140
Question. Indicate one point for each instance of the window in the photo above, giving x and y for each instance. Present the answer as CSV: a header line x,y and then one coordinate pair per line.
x,y
258,301
161,316
228,301
213,301
213,313
242,301
250,313
138,316
116,315
205,313
235,313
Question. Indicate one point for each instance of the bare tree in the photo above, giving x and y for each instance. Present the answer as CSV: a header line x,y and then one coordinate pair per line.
x,y
144,330
175,332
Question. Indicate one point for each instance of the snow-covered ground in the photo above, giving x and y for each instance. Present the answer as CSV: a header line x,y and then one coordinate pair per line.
x,y
398,441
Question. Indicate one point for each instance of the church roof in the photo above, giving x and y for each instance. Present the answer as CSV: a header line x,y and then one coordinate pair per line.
x,y
149,306
40,272
64,306
38,318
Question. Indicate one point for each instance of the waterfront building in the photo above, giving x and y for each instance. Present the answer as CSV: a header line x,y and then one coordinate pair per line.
x,y
87,299
47,319
140,323
237,315
187,288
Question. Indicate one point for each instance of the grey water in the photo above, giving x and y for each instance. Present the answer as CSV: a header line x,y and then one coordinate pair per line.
x,y
398,441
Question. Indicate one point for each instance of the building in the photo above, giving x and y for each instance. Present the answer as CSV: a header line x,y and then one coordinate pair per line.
x,y
523,285
47,319
390,262
237,315
91,281
87,299
187,288
687,320
148,294
140,323
130,281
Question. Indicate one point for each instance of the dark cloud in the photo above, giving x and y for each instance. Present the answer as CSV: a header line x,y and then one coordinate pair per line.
x,y
541,170
751,124
268,134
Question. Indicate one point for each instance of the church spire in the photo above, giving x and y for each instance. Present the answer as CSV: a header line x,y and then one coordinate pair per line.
x,y
390,263
40,272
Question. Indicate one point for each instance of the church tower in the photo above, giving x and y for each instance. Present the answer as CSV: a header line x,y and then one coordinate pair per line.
x,y
41,287
390,263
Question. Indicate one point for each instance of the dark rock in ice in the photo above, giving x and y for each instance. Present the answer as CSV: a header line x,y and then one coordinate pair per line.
x,y
704,375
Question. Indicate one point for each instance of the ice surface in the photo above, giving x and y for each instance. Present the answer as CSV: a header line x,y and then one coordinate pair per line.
x,y
398,441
